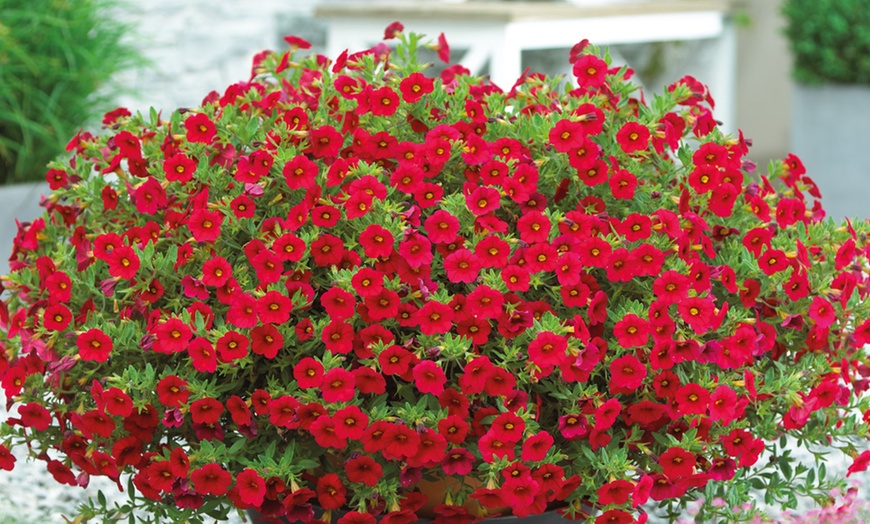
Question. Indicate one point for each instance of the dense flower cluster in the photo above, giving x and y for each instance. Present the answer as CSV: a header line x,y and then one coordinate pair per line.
x,y
342,282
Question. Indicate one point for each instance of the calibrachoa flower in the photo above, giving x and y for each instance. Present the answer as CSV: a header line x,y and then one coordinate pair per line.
x,y
346,279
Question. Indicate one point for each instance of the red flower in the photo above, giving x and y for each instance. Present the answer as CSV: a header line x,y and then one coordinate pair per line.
x,y
860,463
204,225
308,373
94,345
547,349
202,355
677,462
536,447
384,101
483,200
392,31
631,331
300,172
337,385
206,410
698,313
118,403
211,479
692,399
179,168
614,516
172,391
376,241
34,416
626,374
324,141
364,470
231,346
172,335
434,318
622,184
566,135
462,266
414,86
772,261
429,377
443,49
400,442
327,250
56,317
274,307
216,271
821,312
200,128
457,461
338,337
330,492
615,492
633,136
123,262
251,487
590,71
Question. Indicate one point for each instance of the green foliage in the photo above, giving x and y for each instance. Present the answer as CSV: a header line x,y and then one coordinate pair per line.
x,y
830,40
57,61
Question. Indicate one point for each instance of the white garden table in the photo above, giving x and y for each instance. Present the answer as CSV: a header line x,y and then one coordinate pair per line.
x,y
498,32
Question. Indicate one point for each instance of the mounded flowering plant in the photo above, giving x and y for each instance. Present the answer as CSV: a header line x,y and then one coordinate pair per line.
x,y
344,283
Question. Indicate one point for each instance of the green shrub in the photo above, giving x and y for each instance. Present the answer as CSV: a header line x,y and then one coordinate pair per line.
x,y
830,40
57,61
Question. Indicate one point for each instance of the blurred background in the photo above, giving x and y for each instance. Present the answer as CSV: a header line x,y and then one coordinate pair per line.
x,y
792,75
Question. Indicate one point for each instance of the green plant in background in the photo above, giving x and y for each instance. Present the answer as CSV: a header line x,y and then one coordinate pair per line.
x,y
57,62
830,40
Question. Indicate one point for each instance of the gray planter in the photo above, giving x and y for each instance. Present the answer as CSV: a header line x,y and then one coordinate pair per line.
x,y
830,125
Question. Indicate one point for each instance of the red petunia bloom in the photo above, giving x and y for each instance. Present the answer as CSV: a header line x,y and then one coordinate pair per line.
x,y
414,86
590,71
434,318
251,487
626,374
547,349
179,168
384,101
202,355
337,385
94,345
376,241
364,470
205,225
615,492
216,271
698,313
462,266
631,331
443,49
338,337
56,317
274,307
677,462
331,493
200,129
300,172
692,399
429,377
123,262
206,410
633,136
231,346
211,479
172,335
483,200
